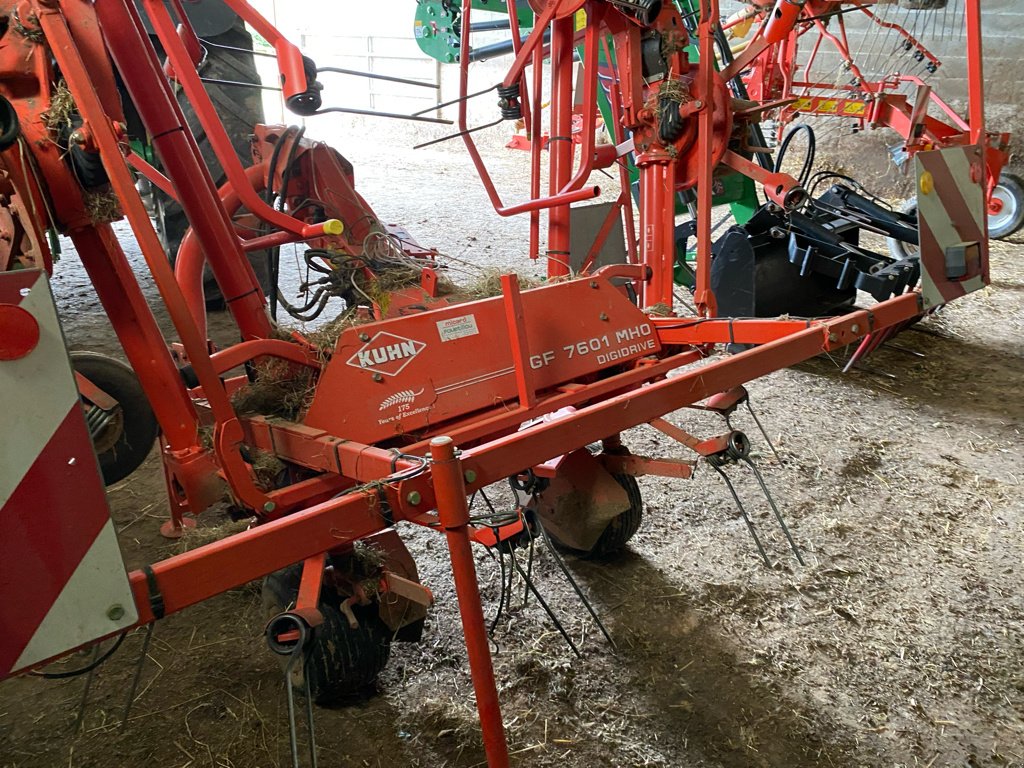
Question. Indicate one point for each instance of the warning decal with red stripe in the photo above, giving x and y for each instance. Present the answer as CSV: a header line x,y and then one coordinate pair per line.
x,y
953,223
62,578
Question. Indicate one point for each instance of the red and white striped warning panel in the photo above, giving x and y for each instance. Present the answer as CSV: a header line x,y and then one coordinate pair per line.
x,y
62,579
953,223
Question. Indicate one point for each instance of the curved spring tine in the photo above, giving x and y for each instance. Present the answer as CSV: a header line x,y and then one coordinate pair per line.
x,y
743,511
501,594
775,510
764,432
576,588
544,605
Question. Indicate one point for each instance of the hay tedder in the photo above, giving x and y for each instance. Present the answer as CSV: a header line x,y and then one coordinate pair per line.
x,y
421,395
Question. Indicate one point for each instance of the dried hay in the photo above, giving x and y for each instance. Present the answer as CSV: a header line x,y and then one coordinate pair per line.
x,y
33,33
102,207
201,535
279,388
62,107
489,284
326,336
267,469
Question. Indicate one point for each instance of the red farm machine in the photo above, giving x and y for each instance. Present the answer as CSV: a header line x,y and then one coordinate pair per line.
x,y
421,396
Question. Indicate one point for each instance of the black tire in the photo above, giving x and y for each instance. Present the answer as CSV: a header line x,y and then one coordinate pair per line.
x,y
619,530
240,109
1010,190
897,248
126,441
623,526
342,663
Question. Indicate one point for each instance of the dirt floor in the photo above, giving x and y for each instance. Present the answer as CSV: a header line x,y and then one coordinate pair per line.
x,y
900,643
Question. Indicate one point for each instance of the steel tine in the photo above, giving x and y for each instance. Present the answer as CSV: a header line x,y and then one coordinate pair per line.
x,y
764,432
80,717
743,511
775,509
529,567
576,587
309,720
138,673
543,603
290,696
501,593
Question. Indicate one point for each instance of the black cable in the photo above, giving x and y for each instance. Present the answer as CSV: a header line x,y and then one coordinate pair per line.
x,y
275,253
805,171
268,198
87,668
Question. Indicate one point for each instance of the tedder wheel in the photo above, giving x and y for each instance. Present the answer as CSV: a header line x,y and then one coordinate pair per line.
x,y
1008,194
342,662
624,525
123,440
619,530
897,248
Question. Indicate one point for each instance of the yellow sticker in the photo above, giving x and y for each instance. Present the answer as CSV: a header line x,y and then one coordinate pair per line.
x,y
855,108
581,19
926,183
828,106
803,104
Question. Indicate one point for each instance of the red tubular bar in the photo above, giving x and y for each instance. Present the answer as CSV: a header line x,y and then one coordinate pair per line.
x,y
703,296
628,222
590,59
243,352
136,60
975,72
220,141
453,513
492,194
560,146
657,223
188,268
535,124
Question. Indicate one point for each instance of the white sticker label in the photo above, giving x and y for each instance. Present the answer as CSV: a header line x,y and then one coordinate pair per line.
x,y
457,327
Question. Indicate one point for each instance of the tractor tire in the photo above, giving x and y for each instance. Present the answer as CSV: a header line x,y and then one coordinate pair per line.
x,y
341,663
124,443
239,109
1009,191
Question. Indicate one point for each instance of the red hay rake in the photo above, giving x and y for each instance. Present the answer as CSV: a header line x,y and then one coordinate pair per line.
x,y
428,399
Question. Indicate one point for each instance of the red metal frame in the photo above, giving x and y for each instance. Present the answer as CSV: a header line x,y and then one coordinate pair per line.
x,y
360,488
873,104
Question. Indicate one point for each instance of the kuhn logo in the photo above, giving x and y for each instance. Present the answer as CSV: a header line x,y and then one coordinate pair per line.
x,y
386,353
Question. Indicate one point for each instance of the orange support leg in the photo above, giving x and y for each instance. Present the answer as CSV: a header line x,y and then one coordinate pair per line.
x,y
453,512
